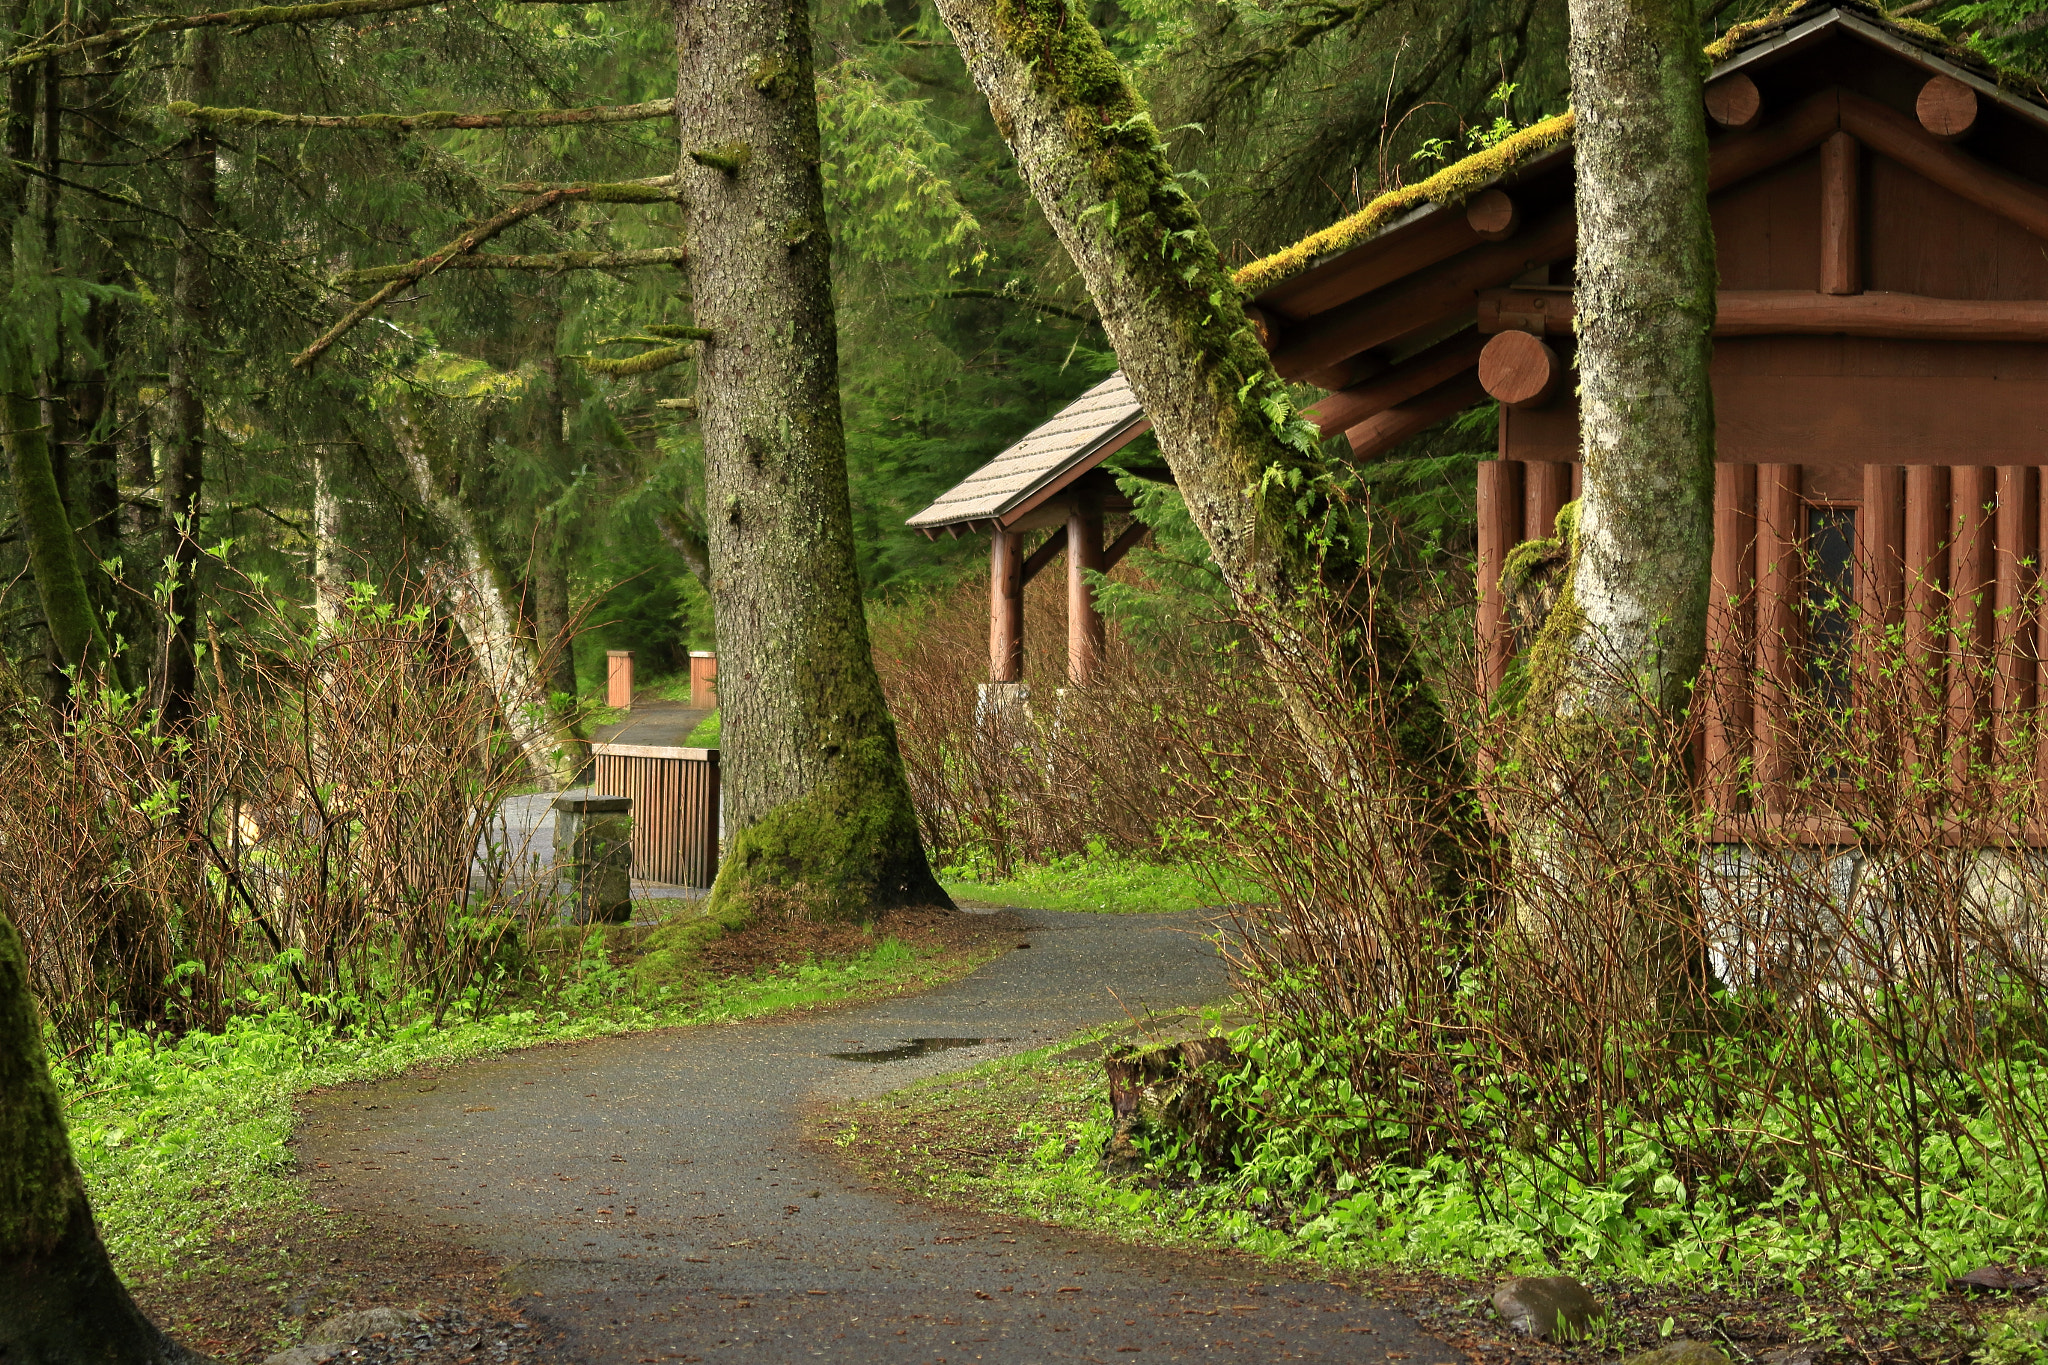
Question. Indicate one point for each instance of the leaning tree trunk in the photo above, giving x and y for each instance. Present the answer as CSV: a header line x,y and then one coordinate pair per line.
x,y
60,1301
816,803
177,681
1249,468
478,596
1629,627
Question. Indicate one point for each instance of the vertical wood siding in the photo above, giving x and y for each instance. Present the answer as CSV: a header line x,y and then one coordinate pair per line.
x,y
675,808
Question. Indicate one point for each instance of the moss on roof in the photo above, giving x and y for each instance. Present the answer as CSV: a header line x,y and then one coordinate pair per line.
x,y
1453,184
1460,180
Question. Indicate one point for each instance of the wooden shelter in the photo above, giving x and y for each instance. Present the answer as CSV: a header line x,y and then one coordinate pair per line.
x,y
1880,205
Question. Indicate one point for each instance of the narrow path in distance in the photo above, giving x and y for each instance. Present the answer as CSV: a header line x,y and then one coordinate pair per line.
x,y
651,1199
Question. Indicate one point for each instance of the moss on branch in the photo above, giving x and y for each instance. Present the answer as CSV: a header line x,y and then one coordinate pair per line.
x,y
551,263
426,120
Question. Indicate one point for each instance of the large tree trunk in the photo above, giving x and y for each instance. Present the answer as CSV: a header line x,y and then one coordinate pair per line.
x,y
1249,468
60,1301
1629,627
53,553
478,595
177,680
815,796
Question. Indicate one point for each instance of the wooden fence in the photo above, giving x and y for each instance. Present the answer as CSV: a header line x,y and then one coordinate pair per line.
x,y
675,808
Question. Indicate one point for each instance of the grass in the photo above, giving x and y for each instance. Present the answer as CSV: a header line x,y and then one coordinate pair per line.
x,y
1097,881
178,1141
1022,1135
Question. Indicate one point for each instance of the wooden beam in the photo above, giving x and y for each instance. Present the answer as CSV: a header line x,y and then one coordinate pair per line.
x,y
1500,530
1926,571
2018,545
1445,360
1798,312
1520,371
1731,630
1124,544
1971,592
1006,607
1841,256
1733,102
1399,254
1892,134
1946,108
1044,554
1376,435
1084,621
1779,538
1493,215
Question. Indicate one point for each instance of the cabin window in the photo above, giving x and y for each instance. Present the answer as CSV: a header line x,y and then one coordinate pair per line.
x,y
1830,603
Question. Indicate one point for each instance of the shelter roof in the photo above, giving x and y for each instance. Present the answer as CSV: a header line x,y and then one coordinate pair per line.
x,y
1078,438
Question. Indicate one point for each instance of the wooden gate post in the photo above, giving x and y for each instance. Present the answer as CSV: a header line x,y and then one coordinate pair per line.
x,y
619,679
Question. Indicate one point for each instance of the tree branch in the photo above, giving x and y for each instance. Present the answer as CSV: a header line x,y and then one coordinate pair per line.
x,y
553,263
647,362
256,16
428,265
430,119
655,189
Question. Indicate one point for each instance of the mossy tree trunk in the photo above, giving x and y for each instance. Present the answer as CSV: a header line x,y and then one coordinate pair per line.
x,y
1629,628
817,807
1611,670
60,1301
1249,468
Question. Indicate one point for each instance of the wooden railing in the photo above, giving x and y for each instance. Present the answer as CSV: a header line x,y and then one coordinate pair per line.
x,y
675,808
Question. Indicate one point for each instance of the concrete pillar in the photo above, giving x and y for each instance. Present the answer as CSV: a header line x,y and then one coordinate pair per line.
x,y
594,852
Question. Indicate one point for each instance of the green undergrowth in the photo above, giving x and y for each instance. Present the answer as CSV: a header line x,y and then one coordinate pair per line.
x,y
178,1140
1026,1134
1096,881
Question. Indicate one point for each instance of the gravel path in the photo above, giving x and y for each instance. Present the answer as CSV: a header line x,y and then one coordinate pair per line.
x,y
651,1200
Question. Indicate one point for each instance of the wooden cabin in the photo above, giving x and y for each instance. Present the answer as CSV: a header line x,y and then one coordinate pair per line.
x,y
1880,205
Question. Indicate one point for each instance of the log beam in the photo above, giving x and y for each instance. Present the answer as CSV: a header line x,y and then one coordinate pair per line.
x,y
1348,407
1841,256
1520,371
1799,312
1124,544
1377,435
1892,134
1733,102
1493,215
1044,554
1946,108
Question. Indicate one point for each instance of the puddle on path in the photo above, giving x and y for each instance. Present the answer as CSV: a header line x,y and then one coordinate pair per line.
x,y
915,1047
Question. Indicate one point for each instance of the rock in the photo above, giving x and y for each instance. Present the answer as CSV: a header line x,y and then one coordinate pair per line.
x,y
1995,1279
1547,1307
1680,1352
309,1353
1801,1353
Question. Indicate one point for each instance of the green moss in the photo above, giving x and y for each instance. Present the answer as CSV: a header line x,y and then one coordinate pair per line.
x,y
1454,184
674,952
730,157
775,76
40,1191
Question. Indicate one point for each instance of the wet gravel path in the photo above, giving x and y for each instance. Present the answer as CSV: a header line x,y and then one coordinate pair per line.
x,y
651,1199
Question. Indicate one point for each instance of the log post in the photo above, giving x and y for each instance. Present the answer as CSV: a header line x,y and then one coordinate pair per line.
x,y
2018,550
1880,573
618,679
1778,546
1841,270
1926,572
1547,487
1731,627
1006,606
1084,620
1972,492
1500,530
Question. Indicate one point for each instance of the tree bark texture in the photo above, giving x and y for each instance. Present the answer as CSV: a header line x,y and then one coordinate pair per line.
x,y
816,802
177,680
60,1301
1248,467
1629,628
478,595
53,555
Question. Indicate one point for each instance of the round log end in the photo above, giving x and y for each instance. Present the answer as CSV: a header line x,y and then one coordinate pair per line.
x,y
1492,215
1733,101
1520,370
1947,107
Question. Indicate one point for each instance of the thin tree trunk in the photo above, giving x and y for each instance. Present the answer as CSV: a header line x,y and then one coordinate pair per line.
x,y
551,554
60,1301
479,598
177,680
330,584
817,807
1629,628
1248,467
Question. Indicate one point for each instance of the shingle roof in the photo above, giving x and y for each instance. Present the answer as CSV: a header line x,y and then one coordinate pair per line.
x,y
1076,438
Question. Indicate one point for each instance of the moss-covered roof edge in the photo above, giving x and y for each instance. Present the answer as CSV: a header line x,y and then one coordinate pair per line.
x,y
1453,184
